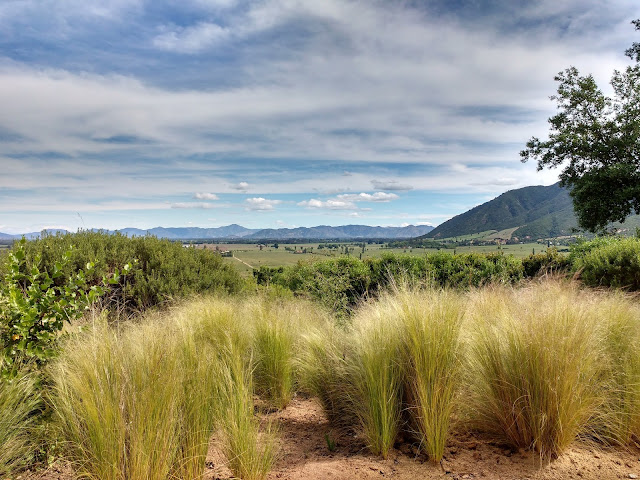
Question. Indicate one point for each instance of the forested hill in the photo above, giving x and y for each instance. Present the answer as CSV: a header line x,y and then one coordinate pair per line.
x,y
537,212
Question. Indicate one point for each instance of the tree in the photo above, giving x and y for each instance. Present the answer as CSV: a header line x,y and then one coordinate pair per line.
x,y
596,139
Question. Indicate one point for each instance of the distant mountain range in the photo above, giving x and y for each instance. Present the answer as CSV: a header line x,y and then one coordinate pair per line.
x,y
529,212
230,232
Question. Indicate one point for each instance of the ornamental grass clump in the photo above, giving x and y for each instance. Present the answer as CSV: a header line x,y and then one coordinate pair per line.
x,y
618,419
403,357
117,399
375,376
276,330
322,371
20,403
535,367
250,452
432,363
223,324
199,398
88,397
142,402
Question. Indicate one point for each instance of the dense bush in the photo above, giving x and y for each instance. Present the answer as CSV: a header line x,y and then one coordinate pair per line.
x,y
608,262
340,283
162,269
543,263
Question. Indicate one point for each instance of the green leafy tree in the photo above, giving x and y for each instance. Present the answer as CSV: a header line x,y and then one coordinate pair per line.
x,y
35,304
596,139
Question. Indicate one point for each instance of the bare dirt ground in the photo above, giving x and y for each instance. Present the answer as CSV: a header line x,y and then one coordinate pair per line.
x,y
304,454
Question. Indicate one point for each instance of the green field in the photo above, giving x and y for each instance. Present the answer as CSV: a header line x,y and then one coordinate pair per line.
x,y
246,257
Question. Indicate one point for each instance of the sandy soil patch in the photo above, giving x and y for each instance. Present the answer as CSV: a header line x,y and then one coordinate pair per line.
x,y
304,454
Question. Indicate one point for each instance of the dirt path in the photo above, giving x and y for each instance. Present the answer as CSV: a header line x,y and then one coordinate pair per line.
x,y
242,261
304,454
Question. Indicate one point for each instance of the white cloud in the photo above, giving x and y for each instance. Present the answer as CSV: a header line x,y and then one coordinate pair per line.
x,y
206,196
390,185
347,201
200,205
331,204
367,197
241,187
261,204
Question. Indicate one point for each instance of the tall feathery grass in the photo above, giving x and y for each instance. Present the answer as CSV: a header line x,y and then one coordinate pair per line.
x,y
116,398
401,354
20,402
275,337
88,398
618,419
199,397
535,368
323,372
375,377
153,399
142,402
432,363
250,452
538,366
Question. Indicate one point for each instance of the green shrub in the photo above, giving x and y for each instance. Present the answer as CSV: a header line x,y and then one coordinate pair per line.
x,y
608,262
340,284
164,270
550,261
35,303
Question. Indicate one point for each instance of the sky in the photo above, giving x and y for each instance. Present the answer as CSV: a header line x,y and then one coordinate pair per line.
x,y
282,113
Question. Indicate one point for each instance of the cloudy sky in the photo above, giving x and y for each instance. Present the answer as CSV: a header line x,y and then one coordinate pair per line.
x,y
279,113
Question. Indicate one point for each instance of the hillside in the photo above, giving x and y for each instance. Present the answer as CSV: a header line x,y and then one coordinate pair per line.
x,y
536,212
527,213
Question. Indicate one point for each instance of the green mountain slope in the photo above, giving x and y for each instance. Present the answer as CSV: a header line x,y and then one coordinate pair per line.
x,y
532,212
536,211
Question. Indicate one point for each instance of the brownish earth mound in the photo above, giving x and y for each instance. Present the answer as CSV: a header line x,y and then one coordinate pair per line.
x,y
304,454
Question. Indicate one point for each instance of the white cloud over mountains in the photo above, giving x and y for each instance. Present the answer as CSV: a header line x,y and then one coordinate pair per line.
x,y
348,201
261,204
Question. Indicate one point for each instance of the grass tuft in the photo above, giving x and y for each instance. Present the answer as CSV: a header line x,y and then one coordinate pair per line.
x,y
375,374
535,366
431,351
20,403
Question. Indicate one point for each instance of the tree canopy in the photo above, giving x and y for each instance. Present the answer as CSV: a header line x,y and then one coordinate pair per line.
x,y
596,139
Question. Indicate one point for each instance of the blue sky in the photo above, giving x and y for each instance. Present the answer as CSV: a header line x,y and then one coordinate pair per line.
x,y
281,113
